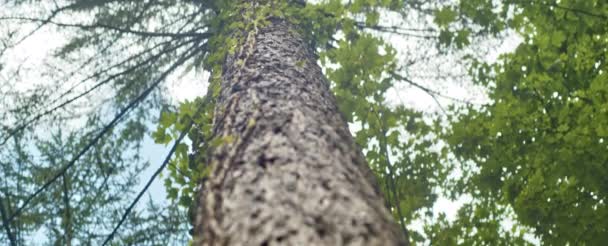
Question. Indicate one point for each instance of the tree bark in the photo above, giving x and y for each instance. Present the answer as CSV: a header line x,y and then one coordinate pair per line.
x,y
288,171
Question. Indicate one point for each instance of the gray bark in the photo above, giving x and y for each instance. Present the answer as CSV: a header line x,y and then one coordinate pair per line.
x,y
289,172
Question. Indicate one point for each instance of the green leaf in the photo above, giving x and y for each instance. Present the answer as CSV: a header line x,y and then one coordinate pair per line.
x,y
167,119
444,17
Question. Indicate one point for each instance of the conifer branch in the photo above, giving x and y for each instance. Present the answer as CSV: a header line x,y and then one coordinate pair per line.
x,y
106,129
23,126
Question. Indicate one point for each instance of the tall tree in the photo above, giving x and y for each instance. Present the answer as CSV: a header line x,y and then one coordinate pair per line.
x,y
287,159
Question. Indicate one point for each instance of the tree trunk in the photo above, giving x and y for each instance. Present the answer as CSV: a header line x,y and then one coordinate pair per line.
x,y
288,171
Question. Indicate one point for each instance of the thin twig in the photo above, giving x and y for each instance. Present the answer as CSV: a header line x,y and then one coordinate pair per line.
x,y
427,90
398,30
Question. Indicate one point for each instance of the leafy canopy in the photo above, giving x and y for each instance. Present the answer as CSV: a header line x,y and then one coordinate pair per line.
x,y
540,146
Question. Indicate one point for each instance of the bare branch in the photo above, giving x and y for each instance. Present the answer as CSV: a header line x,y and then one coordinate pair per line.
x,y
431,92
399,31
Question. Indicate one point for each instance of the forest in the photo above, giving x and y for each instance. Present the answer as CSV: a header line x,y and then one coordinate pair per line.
x,y
294,122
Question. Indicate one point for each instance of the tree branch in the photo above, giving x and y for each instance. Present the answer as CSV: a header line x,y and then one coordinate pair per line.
x,y
5,222
580,11
37,117
113,28
431,92
106,129
398,30
156,173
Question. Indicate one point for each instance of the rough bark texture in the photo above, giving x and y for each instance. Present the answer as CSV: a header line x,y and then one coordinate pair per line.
x,y
289,172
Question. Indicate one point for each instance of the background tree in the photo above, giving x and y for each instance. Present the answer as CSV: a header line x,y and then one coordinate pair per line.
x,y
539,147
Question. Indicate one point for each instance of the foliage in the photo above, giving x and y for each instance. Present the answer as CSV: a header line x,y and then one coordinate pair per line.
x,y
540,147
